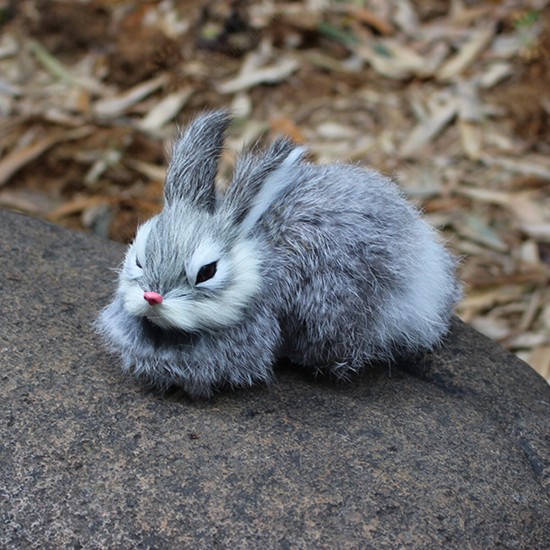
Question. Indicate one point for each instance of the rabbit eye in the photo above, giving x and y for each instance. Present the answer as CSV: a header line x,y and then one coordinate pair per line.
x,y
139,264
206,272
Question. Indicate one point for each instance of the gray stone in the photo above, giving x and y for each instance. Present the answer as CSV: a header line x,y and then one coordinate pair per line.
x,y
450,450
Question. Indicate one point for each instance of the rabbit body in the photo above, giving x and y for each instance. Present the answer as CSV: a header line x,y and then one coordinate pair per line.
x,y
328,266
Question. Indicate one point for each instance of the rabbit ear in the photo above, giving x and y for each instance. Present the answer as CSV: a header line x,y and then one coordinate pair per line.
x,y
194,163
258,181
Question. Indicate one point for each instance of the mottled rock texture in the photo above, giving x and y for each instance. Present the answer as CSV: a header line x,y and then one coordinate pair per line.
x,y
451,450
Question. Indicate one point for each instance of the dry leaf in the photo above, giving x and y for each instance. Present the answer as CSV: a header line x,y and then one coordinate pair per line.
x,y
152,171
496,329
76,206
15,160
529,253
405,17
494,74
333,130
429,128
165,110
540,232
370,18
476,229
469,104
539,359
485,195
27,201
480,300
526,340
266,75
467,55
534,165
116,106
56,68
393,60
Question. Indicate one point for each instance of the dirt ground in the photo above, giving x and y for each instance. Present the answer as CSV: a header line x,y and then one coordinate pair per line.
x,y
452,99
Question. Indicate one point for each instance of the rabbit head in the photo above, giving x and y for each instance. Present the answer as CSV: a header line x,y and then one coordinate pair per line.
x,y
197,265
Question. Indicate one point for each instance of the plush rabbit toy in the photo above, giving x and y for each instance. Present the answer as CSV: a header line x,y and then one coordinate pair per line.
x,y
327,266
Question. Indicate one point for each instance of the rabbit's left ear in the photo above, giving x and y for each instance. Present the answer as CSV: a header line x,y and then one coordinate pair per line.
x,y
194,164
258,181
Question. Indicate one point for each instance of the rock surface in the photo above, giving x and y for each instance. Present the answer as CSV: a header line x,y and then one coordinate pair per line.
x,y
450,451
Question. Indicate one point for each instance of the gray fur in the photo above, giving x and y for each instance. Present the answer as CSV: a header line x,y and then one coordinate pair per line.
x,y
194,164
343,271
251,170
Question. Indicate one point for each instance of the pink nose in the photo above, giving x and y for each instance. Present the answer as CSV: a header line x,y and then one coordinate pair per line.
x,y
154,298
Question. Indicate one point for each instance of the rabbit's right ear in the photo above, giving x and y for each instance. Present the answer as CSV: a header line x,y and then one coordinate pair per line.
x,y
194,164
